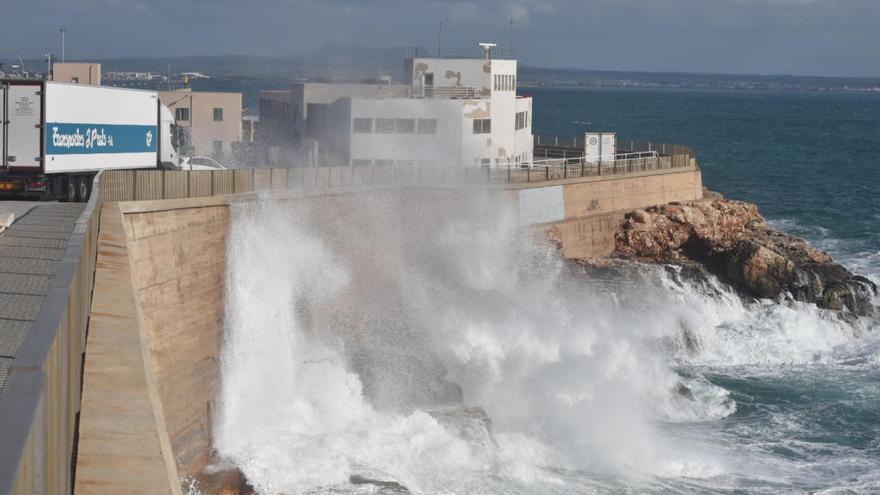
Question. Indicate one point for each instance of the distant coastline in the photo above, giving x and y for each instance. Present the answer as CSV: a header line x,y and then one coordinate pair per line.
x,y
355,62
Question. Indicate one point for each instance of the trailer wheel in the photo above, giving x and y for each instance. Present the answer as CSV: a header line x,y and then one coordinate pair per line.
x,y
71,189
84,185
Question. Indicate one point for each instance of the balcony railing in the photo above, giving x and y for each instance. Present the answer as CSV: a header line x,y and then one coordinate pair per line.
x,y
449,92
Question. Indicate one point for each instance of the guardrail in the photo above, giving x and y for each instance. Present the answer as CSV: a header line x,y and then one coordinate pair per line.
x,y
139,185
450,92
575,145
40,407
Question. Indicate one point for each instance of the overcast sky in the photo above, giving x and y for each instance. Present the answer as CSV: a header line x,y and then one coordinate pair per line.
x,y
817,37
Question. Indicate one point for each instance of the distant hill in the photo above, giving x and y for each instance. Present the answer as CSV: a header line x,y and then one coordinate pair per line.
x,y
352,61
544,77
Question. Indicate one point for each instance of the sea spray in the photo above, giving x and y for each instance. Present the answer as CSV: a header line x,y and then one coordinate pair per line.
x,y
345,331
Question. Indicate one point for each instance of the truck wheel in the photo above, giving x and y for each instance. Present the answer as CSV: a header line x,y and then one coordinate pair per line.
x,y
84,186
71,189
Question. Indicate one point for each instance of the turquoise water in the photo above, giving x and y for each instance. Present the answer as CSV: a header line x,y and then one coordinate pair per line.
x,y
805,422
811,161
786,398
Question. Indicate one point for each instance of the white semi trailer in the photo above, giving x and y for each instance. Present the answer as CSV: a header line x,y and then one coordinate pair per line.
x,y
56,136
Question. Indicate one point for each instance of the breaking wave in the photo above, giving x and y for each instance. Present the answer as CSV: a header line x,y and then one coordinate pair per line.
x,y
467,357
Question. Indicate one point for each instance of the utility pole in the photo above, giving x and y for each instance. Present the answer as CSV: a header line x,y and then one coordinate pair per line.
x,y
63,30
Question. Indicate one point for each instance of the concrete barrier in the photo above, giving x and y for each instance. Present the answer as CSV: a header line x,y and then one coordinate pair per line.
x,y
41,403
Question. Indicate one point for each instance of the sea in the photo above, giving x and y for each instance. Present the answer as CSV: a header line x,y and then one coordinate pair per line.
x,y
652,383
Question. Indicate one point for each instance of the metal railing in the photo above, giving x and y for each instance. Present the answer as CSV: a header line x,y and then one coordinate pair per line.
x,y
449,92
138,185
570,144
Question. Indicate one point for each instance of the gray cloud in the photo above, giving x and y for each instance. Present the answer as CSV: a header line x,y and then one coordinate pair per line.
x,y
825,37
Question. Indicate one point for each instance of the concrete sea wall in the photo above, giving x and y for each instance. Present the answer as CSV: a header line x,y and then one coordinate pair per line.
x,y
584,213
152,366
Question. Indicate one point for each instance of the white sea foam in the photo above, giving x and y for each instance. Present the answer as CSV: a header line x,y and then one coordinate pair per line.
x,y
574,379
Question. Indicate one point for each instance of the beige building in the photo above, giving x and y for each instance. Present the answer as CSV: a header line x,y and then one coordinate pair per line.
x,y
210,122
77,72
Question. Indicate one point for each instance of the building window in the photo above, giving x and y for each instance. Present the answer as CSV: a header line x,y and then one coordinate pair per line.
x,y
405,163
384,163
361,163
181,114
482,126
218,115
522,120
363,126
486,162
405,126
427,126
384,126
217,149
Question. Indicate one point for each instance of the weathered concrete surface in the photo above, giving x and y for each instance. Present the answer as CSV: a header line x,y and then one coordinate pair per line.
x,y
590,209
123,444
178,259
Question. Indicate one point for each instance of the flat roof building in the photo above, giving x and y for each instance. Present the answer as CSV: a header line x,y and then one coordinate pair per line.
x,y
448,111
211,122
77,73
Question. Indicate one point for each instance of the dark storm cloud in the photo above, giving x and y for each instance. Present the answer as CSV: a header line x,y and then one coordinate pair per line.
x,y
826,37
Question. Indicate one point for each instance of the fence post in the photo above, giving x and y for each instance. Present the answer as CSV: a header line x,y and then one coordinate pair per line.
x,y
546,172
529,174
508,173
583,162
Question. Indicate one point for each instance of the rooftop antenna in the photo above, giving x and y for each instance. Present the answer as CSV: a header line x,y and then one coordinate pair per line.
x,y
512,51
487,49
440,35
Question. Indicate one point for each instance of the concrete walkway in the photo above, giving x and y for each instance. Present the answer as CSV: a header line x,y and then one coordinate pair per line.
x,y
123,442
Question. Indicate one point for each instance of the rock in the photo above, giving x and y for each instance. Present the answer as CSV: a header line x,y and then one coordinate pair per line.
x,y
761,271
639,216
684,391
469,423
732,240
384,486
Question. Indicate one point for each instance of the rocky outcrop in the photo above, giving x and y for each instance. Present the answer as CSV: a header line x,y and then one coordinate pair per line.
x,y
732,240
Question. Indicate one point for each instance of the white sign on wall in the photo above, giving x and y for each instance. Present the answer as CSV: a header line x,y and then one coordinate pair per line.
x,y
541,205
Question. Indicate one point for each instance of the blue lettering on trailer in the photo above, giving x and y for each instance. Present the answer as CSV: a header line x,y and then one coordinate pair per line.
x,y
69,139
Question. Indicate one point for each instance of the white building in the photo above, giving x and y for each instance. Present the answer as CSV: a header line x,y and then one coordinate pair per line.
x,y
449,111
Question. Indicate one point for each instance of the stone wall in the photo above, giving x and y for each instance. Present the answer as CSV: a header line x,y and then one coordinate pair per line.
x,y
583,213
178,259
